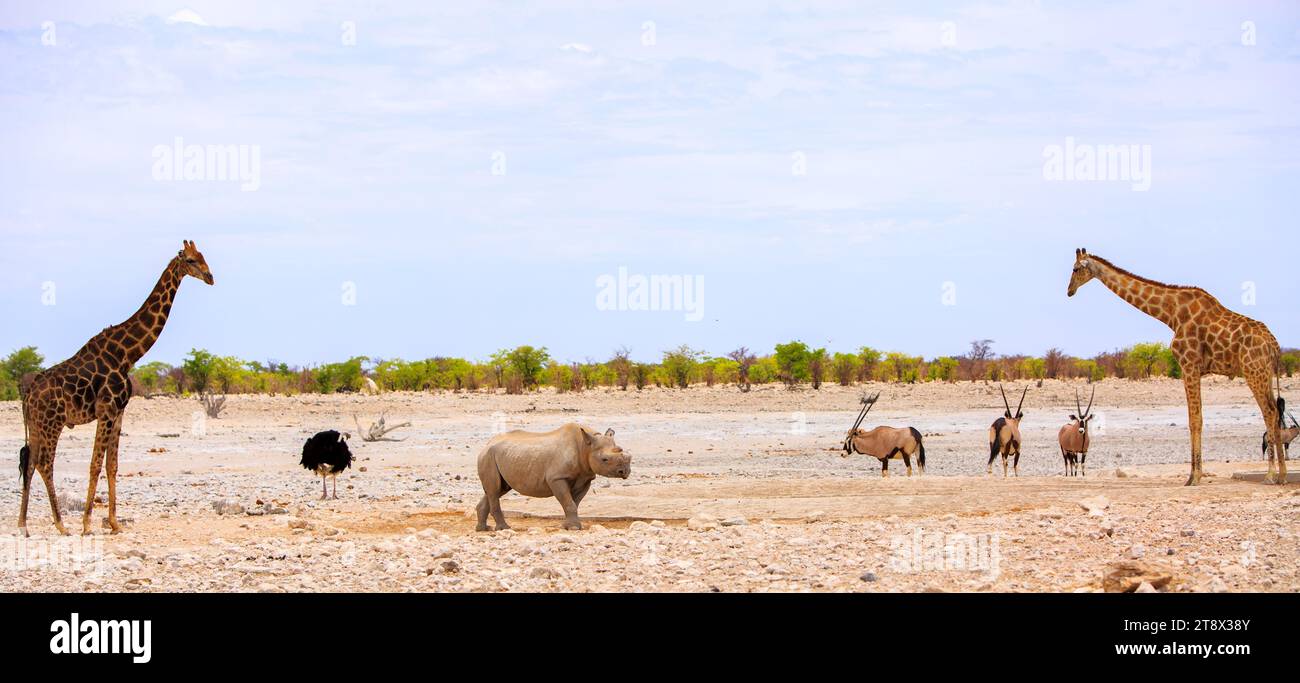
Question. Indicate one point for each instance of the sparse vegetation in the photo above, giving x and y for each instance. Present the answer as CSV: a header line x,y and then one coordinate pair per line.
x,y
744,360
527,368
680,365
15,366
792,362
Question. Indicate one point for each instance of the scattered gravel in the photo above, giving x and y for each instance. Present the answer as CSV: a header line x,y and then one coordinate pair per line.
x,y
725,496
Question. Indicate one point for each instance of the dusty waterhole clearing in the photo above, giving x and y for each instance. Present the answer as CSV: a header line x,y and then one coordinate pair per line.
x,y
774,506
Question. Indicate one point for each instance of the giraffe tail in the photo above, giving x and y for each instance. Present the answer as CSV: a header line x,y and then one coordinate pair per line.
x,y
24,464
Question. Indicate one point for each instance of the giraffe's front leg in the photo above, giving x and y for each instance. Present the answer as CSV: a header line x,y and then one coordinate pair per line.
x,y
1192,383
96,466
114,436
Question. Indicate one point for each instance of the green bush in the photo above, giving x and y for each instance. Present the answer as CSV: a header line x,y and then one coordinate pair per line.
x,y
679,365
792,362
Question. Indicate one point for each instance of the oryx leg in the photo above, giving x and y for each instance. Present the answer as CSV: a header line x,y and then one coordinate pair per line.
x,y
884,467
907,461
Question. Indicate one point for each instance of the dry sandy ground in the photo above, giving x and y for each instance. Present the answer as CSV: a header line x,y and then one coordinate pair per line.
x,y
729,491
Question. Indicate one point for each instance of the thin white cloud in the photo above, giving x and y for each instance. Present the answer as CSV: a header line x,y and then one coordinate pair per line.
x,y
187,16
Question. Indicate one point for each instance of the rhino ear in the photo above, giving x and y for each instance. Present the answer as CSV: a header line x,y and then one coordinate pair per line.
x,y
609,432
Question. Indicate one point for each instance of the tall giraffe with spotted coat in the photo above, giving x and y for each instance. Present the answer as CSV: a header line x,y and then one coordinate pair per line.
x,y
1208,339
95,385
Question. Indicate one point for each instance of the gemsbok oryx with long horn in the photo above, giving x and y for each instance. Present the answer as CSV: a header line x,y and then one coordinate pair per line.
x,y
1075,439
1288,434
1004,435
884,442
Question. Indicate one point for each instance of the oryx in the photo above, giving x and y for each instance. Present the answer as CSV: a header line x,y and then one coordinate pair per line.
x,y
1004,435
1288,434
1074,438
884,442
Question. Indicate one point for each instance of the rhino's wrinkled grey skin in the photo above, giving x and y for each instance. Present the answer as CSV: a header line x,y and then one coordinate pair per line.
x,y
561,463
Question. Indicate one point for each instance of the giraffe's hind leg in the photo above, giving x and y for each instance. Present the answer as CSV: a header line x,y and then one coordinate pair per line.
x,y
47,474
1261,386
43,447
26,471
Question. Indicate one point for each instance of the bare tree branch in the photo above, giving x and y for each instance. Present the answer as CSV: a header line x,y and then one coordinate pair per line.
x,y
378,430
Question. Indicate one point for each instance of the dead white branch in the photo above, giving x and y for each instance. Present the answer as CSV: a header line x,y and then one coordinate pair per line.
x,y
378,430
212,404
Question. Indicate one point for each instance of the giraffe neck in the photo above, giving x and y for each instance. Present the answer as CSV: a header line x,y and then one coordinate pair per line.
x,y
142,328
1156,300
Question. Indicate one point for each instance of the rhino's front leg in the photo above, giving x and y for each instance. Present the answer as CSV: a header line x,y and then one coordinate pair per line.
x,y
580,492
564,494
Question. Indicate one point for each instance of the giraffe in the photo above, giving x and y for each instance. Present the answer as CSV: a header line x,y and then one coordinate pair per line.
x,y
95,385
1208,339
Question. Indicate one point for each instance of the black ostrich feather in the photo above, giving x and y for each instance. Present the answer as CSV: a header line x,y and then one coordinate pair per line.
x,y
326,448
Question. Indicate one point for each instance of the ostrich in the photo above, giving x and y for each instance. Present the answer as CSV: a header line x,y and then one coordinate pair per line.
x,y
327,454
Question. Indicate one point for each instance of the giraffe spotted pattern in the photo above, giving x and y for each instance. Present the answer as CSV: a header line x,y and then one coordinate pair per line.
x,y
94,385
1208,339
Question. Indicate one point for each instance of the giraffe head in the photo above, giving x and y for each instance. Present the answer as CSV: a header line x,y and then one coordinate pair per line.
x,y
1083,271
193,263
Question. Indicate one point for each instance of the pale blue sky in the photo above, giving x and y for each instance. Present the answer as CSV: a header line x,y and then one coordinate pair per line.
x,y
923,142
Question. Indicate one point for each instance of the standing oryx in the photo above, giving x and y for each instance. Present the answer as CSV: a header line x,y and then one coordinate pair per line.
x,y
1074,438
885,442
1004,435
1288,434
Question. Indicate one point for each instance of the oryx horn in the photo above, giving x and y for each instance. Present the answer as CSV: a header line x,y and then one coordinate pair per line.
x,y
867,403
